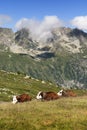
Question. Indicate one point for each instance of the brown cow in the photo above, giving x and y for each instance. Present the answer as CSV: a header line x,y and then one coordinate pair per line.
x,y
47,95
66,93
21,98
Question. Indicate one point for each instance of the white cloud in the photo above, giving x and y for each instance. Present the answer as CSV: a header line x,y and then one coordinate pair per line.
x,y
80,22
40,30
4,19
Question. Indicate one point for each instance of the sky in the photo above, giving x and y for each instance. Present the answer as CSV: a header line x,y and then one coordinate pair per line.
x,y
43,14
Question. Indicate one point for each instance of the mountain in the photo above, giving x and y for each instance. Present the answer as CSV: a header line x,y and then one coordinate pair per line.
x,y
61,59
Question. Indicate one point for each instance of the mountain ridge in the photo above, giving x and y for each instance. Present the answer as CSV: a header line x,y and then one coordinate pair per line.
x,y
61,60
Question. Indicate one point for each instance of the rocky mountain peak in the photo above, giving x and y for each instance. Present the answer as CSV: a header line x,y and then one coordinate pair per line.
x,y
64,54
70,40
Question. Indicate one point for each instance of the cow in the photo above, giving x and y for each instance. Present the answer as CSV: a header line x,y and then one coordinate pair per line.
x,y
66,93
47,96
21,98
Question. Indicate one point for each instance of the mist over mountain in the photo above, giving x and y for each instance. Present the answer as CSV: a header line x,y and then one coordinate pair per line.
x,y
58,56
39,30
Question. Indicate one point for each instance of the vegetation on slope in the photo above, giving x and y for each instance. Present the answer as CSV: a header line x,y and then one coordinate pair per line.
x,y
63,69
62,114
14,84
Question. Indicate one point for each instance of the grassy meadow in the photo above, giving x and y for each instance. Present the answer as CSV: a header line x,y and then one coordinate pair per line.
x,y
62,114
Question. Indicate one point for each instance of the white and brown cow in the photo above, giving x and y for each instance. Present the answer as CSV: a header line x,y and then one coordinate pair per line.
x,y
67,93
21,98
47,95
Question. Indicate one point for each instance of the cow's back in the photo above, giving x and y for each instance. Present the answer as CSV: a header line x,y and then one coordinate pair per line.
x,y
23,98
68,93
51,96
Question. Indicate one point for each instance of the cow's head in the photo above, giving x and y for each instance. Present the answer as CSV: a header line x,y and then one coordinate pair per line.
x,y
14,100
60,93
39,95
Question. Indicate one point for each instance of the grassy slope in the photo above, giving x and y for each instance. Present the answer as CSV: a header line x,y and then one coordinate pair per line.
x,y
12,83
61,114
57,69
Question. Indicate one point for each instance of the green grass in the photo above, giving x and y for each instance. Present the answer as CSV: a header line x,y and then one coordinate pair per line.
x,y
63,67
61,114
14,84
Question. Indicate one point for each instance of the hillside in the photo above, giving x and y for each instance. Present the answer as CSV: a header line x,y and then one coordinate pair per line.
x,y
62,114
62,59
15,84
36,115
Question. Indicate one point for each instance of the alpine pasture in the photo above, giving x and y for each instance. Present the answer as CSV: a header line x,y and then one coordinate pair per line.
x,y
65,113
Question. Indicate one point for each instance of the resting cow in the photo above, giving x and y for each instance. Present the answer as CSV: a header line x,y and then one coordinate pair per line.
x,y
47,96
67,93
21,98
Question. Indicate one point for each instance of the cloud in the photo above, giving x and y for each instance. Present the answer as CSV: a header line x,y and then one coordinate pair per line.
x,y
4,19
40,30
80,22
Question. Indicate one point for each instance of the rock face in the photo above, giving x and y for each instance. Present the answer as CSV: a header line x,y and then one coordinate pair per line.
x,y
62,59
6,38
70,40
63,39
